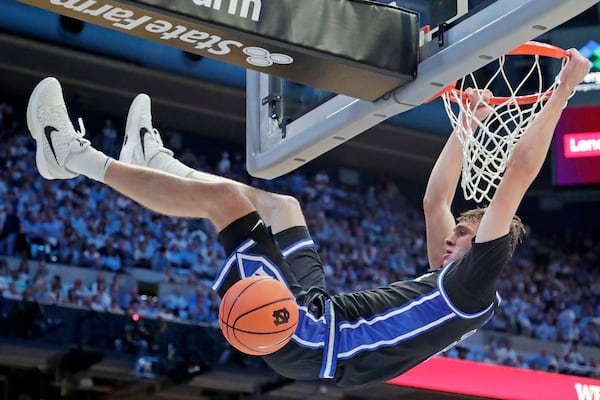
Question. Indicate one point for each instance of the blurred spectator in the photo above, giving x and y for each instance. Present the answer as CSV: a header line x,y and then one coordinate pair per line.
x,y
175,301
591,334
127,297
143,254
541,361
101,295
12,293
199,304
96,302
224,165
91,257
110,144
114,307
151,310
507,354
72,298
160,261
40,292
546,330
42,272
111,259
80,290
56,294
175,256
10,228
4,275
567,328
99,281
490,352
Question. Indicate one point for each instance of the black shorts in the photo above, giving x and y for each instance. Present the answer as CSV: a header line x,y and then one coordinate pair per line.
x,y
291,257
362,337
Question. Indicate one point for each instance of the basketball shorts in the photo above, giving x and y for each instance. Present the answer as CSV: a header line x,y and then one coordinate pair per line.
x,y
291,257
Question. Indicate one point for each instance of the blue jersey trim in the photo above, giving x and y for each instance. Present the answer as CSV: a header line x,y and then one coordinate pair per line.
x,y
461,314
311,331
330,350
297,246
394,326
229,262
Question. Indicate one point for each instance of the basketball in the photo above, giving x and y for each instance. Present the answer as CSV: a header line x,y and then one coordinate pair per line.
x,y
258,315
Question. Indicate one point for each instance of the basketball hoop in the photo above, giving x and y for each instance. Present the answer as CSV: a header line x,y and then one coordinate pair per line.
x,y
487,143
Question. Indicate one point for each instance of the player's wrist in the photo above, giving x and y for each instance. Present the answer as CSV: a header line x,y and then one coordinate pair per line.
x,y
564,88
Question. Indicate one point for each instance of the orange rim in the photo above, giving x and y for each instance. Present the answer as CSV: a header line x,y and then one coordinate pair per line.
x,y
442,92
526,49
458,95
540,49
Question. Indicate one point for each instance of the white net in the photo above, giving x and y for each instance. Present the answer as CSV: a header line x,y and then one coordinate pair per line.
x,y
488,142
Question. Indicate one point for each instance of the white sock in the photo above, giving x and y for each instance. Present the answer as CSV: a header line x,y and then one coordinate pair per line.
x,y
167,163
87,161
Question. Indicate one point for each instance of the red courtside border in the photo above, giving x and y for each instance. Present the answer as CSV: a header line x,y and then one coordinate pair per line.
x,y
497,382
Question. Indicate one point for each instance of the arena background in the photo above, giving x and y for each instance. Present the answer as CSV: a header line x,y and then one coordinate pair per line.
x,y
204,100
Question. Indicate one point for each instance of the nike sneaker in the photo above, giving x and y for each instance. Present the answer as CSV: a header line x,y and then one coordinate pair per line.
x,y
49,124
141,141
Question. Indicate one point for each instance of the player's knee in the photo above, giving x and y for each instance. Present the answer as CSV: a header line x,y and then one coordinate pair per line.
x,y
228,195
290,203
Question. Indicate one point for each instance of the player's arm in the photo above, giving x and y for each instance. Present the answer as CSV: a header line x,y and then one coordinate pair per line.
x,y
442,184
437,201
529,154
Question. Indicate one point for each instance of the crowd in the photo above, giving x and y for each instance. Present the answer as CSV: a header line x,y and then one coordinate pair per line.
x,y
550,290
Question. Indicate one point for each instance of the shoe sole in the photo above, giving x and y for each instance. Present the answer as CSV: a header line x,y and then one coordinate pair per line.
x,y
32,107
133,138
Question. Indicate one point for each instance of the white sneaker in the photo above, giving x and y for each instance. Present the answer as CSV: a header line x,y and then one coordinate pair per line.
x,y
141,142
49,124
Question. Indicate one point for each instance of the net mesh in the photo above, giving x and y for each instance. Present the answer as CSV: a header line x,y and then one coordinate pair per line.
x,y
488,142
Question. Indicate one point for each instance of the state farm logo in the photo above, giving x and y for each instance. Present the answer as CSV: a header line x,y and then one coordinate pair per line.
x,y
164,30
579,145
260,57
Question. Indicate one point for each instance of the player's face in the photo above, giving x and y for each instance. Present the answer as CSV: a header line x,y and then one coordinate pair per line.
x,y
459,242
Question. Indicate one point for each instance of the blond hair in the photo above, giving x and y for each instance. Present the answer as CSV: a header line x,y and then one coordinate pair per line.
x,y
517,228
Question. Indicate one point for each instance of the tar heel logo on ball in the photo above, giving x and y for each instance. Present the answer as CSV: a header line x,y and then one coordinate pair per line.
x,y
281,316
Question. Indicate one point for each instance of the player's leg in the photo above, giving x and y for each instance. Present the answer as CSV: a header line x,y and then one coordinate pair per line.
x,y
63,153
142,145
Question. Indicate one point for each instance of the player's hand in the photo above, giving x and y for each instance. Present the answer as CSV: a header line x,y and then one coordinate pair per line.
x,y
575,71
478,103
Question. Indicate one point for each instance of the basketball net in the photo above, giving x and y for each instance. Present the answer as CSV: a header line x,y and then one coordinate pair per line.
x,y
487,143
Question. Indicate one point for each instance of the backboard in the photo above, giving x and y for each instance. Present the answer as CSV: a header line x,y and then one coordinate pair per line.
x,y
289,124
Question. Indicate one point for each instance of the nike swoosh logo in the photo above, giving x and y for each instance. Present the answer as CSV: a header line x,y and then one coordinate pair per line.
x,y
143,131
260,222
48,132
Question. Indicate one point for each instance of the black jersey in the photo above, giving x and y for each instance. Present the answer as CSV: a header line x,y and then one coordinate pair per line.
x,y
374,335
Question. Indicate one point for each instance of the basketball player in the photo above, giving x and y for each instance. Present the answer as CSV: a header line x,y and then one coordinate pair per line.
x,y
358,338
